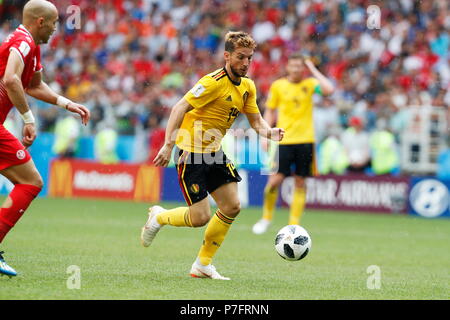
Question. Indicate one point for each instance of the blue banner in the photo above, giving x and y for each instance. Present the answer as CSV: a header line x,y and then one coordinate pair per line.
x,y
170,187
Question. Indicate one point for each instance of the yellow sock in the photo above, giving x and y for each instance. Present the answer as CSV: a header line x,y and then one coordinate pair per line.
x,y
297,205
270,200
215,233
178,217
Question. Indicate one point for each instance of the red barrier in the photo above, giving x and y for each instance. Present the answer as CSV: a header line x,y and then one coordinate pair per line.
x,y
78,178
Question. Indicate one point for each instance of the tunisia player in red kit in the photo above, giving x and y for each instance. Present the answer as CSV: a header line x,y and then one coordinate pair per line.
x,y
20,74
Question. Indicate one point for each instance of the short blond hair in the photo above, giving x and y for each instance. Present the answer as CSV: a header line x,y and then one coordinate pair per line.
x,y
235,39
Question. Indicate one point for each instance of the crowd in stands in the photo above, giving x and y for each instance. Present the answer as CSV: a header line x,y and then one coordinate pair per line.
x,y
129,61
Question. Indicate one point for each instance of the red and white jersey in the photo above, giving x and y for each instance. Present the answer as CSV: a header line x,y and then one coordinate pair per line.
x,y
22,42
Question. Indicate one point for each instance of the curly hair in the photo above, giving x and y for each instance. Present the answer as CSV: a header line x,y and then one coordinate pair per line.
x,y
235,39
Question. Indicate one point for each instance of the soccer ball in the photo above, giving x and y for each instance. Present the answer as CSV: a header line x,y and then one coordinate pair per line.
x,y
293,242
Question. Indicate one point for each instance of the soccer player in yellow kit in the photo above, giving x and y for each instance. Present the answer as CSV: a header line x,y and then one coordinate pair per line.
x,y
291,99
196,125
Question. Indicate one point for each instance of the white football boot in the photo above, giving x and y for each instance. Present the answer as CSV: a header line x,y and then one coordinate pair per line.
x,y
200,271
151,227
5,269
261,226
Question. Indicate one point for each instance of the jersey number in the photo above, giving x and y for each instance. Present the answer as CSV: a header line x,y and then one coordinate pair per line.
x,y
233,113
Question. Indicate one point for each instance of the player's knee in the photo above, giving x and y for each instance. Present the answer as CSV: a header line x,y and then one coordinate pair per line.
x,y
35,181
39,183
274,182
233,209
236,209
200,220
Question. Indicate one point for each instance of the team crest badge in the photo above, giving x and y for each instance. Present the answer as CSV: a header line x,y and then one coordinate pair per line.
x,y
20,154
195,188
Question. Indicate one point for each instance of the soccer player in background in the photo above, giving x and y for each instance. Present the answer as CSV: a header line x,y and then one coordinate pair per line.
x,y
197,125
292,97
20,73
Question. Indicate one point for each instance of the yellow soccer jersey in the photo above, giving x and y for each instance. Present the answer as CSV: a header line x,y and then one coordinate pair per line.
x,y
217,101
294,102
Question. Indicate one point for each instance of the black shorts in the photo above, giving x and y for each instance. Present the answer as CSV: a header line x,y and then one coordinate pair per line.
x,y
202,173
300,157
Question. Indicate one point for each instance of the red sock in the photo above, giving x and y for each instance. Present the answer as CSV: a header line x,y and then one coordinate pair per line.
x,y
21,197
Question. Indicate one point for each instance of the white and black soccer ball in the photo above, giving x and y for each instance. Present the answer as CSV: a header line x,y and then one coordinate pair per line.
x,y
293,242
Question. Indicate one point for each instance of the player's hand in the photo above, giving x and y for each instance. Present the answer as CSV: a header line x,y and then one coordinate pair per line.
x,y
81,110
162,159
276,134
29,134
309,64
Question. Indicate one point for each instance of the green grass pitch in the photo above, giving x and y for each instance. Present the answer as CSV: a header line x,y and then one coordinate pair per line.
x,y
101,238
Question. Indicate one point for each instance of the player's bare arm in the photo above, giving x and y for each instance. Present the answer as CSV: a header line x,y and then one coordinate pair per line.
x,y
325,85
270,116
175,119
263,129
41,91
13,85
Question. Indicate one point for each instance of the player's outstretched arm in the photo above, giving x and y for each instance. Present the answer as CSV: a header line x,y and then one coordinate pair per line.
x,y
262,127
40,90
175,119
325,85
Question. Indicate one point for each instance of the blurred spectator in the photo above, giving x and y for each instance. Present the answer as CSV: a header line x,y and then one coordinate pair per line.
x,y
332,156
105,145
356,146
326,115
384,151
67,132
156,136
141,54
